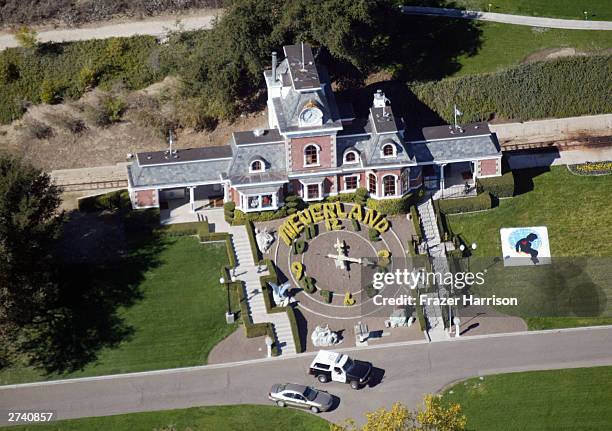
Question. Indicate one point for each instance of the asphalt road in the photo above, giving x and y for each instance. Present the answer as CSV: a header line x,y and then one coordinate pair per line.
x,y
532,21
410,371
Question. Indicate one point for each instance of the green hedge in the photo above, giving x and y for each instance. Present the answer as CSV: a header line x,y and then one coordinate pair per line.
x,y
416,221
117,200
500,187
564,87
392,206
463,205
327,295
252,241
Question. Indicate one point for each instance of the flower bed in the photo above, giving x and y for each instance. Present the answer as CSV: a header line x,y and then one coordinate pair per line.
x,y
591,168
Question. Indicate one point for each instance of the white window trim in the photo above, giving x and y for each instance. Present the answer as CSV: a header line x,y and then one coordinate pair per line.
x,y
263,166
382,184
305,197
382,150
312,165
345,162
244,199
345,188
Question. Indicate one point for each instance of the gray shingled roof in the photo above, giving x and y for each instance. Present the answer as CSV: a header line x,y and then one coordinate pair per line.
x,y
272,154
456,149
177,173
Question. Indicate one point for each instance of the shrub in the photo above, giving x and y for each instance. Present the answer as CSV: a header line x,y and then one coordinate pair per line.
x,y
228,211
416,220
391,206
49,92
299,246
371,291
356,226
117,200
26,37
361,196
461,205
310,232
252,241
374,235
500,187
308,284
327,295
38,130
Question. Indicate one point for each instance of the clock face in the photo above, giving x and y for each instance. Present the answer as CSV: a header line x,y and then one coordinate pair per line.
x,y
311,116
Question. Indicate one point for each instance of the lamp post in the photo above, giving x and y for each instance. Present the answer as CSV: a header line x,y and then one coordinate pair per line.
x,y
269,341
490,7
462,247
229,316
586,15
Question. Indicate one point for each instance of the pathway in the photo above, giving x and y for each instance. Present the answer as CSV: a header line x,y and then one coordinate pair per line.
x,y
410,371
154,27
249,273
436,251
531,21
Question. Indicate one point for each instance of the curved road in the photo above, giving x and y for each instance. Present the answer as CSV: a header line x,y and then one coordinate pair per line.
x,y
531,21
410,370
153,27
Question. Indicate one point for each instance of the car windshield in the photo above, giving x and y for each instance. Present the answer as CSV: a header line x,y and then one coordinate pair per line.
x,y
348,364
310,394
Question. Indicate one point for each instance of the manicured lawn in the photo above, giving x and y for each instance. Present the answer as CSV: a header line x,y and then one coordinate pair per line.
x,y
573,9
175,321
571,399
505,45
219,418
576,289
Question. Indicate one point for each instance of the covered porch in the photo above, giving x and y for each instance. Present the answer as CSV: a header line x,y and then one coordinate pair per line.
x,y
451,180
186,204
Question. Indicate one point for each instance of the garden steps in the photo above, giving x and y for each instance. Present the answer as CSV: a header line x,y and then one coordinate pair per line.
x,y
435,249
249,273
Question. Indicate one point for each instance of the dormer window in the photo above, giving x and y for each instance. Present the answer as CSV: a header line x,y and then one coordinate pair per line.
x,y
311,155
389,150
257,165
350,156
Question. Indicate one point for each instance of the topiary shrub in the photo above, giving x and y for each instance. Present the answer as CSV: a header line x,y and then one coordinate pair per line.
x,y
327,295
374,235
356,226
311,232
308,284
361,196
392,206
462,205
299,246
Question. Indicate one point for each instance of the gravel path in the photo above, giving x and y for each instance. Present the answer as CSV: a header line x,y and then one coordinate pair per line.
x,y
531,21
153,27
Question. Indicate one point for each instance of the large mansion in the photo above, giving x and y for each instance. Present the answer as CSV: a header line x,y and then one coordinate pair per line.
x,y
311,150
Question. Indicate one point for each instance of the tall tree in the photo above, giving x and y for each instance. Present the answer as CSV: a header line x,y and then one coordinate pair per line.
x,y
30,222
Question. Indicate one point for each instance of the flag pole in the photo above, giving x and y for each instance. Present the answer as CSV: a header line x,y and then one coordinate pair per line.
x,y
455,114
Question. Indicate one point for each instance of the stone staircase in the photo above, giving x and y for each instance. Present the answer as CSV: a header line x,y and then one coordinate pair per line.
x,y
249,273
435,249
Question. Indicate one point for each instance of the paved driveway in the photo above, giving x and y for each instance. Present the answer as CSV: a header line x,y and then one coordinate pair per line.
x,y
410,370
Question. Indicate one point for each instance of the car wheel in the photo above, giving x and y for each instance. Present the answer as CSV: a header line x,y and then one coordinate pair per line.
x,y
323,378
280,403
315,409
354,384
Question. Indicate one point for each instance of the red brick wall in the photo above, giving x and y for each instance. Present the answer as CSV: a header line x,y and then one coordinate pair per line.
x,y
488,167
234,196
145,198
297,146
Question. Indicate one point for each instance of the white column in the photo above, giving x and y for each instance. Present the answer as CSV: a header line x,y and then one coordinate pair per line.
x,y
192,199
226,195
442,178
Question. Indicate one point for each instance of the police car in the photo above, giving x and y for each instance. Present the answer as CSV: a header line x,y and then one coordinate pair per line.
x,y
331,366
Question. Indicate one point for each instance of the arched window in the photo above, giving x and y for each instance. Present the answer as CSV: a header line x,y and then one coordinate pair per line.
x,y
350,157
256,166
372,184
388,150
311,155
388,185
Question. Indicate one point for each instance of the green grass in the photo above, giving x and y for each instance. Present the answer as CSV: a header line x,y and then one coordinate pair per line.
x,y
570,399
176,322
575,290
218,418
573,9
505,45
